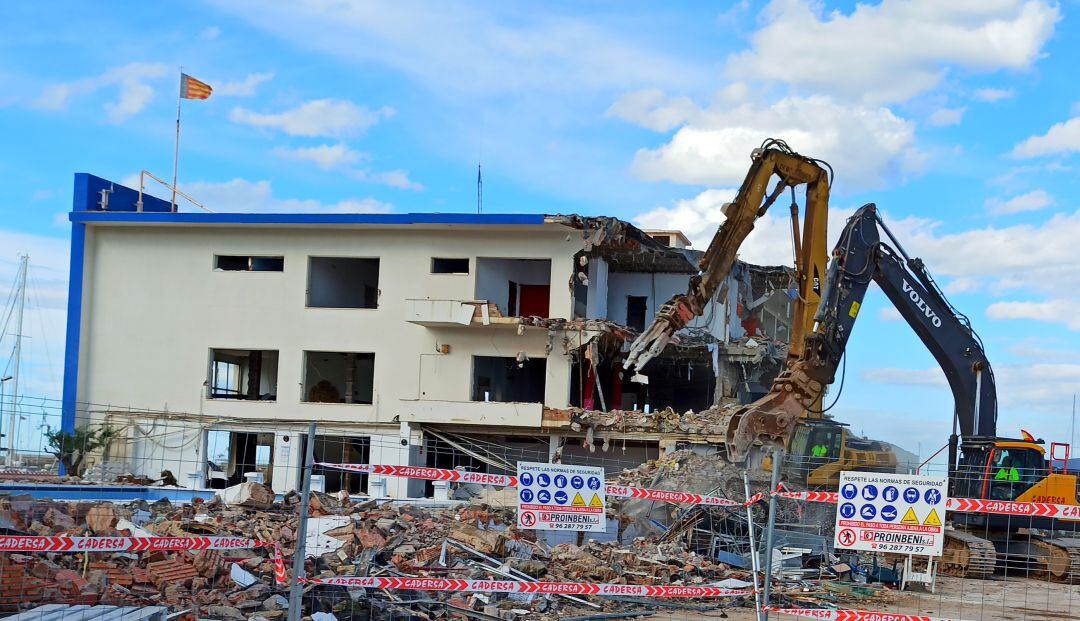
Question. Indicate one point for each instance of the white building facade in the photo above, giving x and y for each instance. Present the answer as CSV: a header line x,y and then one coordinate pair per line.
x,y
212,339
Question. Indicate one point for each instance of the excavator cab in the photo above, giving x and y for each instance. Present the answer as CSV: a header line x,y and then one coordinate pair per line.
x,y
822,448
817,443
1011,470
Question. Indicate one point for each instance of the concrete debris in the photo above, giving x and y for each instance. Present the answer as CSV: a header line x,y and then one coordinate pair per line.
x,y
248,494
469,540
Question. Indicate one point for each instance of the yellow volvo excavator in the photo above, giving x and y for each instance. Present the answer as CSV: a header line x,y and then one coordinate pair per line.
x,y
982,465
775,159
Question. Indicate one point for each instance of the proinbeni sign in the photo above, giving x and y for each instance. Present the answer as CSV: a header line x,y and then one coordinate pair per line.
x,y
899,513
561,497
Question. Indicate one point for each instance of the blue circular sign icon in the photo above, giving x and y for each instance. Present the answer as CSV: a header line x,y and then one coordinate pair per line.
x,y
543,496
526,478
890,494
888,513
577,482
848,491
526,495
560,480
869,492
847,510
932,496
911,495
560,497
594,483
543,480
868,512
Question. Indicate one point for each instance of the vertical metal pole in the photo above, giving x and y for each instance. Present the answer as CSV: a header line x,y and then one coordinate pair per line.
x,y
295,606
778,457
18,358
754,558
176,149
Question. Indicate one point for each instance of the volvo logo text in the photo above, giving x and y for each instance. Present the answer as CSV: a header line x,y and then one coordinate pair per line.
x,y
923,306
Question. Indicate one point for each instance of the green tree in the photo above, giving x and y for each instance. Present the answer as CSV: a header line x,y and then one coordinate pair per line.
x,y
72,448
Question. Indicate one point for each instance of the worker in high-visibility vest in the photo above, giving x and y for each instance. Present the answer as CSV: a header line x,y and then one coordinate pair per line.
x,y
819,450
1007,473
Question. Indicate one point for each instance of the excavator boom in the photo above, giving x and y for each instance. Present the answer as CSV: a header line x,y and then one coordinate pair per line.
x,y
861,257
774,158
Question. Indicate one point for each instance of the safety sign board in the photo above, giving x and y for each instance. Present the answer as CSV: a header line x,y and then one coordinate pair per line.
x,y
561,497
901,513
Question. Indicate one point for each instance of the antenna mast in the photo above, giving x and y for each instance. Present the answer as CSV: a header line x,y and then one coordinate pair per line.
x,y
479,190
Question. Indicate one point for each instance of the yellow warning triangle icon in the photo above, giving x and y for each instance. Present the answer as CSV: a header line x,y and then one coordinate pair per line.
x,y
910,517
578,500
932,519
595,502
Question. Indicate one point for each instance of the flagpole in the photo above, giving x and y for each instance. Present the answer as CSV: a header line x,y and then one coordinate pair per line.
x,y
176,150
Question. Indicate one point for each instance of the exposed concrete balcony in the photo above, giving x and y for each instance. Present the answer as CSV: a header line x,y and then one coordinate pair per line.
x,y
512,414
451,313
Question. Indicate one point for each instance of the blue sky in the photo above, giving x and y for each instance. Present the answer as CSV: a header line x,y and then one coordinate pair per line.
x,y
961,120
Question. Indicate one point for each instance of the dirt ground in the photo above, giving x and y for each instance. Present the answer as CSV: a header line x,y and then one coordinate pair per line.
x,y
1001,599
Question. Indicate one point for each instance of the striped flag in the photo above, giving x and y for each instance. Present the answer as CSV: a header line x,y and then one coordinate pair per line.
x,y
190,88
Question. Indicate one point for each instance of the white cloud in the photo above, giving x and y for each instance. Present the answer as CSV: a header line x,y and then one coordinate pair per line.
x,y
1060,139
944,117
889,314
242,195
243,88
133,92
394,178
325,156
962,284
460,48
1031,201
993,94
895,50
330,118
1046,387
866,145
1063,311
652,109
698,218
341,157
210,33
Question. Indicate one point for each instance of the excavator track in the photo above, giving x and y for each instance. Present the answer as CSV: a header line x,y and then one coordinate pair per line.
x,y
967,556
1062,562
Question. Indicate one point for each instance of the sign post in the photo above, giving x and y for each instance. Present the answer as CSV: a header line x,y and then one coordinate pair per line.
x,y
561,497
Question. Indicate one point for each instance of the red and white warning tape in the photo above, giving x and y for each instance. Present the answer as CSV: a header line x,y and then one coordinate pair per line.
x,y
427,474
808,496
123,544
505,480
515,586
854,615
1004,507
965,505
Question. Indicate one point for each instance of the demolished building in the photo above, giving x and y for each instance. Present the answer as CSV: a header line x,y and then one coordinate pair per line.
x,y
442,340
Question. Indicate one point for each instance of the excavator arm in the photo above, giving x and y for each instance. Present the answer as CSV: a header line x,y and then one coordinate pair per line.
x,y
773,158
861,257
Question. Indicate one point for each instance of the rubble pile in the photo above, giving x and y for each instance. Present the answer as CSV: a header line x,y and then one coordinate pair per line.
x,y
344,538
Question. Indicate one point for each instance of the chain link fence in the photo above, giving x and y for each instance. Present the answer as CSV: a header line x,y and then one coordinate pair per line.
x,y
236,518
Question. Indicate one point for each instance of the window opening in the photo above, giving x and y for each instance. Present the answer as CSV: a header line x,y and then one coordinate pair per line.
x,y
343,282
449,266
241,263
339,377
